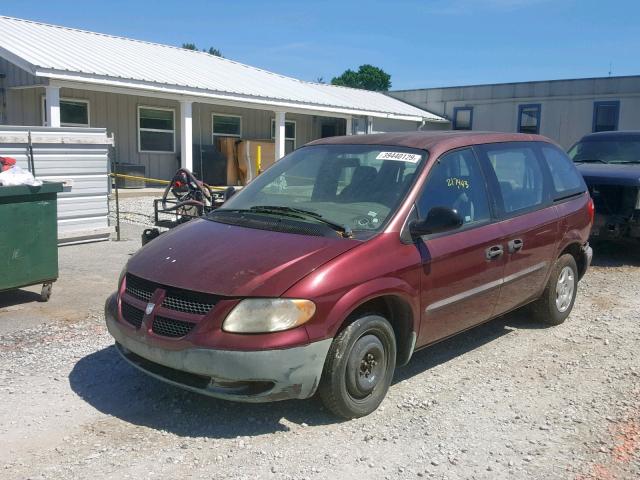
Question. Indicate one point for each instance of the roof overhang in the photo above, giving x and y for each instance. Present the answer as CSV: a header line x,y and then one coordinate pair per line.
x,y
180,93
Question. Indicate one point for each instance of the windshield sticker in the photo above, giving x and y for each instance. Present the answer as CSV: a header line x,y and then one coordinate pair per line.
x,y
399,156
457,183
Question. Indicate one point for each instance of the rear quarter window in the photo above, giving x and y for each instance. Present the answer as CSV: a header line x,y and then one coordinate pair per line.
x,y
566,178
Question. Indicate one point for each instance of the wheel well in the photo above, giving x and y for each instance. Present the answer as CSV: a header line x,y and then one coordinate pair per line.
x,y
575,250
398,313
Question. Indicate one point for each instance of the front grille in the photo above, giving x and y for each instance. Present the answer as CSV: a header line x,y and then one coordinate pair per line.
x,y
132,314
168,327
189,301
186,301
187,306
140,288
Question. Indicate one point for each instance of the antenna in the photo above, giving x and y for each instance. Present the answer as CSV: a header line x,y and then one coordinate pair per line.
x,y
610,68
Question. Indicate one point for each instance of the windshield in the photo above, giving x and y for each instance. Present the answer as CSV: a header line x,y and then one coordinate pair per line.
x,y
607,151
355,188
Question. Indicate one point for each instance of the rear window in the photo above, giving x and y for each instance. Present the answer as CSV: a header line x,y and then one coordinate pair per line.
x,y
566,179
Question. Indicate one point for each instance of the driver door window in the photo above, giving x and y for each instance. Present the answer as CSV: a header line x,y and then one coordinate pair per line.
x,y
456,182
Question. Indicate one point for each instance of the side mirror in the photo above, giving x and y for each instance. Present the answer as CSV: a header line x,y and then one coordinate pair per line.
x,y
439,219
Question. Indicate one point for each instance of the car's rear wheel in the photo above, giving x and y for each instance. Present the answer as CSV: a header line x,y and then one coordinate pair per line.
x,y
359,367
556,302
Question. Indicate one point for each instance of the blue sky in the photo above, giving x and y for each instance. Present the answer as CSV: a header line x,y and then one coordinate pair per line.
x,y
420,43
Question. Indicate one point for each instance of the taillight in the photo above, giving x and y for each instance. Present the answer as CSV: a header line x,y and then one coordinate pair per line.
x,y
592,210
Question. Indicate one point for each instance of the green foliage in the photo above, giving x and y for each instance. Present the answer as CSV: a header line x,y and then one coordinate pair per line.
x,y
367,77
211,51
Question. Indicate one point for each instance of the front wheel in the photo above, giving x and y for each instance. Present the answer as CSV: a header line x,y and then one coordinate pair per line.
x,y
359,367
556,302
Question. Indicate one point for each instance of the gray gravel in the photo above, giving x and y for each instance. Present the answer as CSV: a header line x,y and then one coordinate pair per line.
x,y
133,210
505,400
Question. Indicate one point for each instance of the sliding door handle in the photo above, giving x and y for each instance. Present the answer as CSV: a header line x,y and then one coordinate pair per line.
x,y
494,252
515,245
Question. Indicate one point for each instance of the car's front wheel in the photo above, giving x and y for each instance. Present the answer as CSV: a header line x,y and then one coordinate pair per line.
x,y
556,302
359,367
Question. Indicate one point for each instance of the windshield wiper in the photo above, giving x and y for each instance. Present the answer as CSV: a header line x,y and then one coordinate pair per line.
x,y
344,230
590,160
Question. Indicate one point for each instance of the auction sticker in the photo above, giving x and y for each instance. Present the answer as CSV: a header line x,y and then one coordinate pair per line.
x,y
399,156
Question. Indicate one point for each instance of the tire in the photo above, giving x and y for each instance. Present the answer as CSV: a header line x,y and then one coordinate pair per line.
x,y
556,302
45,292
359,367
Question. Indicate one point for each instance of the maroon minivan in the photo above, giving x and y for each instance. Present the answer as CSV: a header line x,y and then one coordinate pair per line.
x,y
346,256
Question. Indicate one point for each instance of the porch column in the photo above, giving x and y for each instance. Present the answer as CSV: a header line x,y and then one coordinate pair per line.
x,y
186,135
369,124
52,99
349,129
280,135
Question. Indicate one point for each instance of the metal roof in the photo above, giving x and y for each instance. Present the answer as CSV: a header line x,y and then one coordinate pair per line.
x,y
67,54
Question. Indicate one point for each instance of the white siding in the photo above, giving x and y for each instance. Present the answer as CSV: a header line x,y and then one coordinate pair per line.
x,y
566,105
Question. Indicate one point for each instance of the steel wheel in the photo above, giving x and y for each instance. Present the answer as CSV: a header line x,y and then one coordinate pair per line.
x,y
564,289
366,366
359,367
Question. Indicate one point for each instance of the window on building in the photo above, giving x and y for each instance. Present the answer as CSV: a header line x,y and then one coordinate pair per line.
x,y
227,125
529,118
156,129
289,134
519,175
73,113
456,182
605,116
462,118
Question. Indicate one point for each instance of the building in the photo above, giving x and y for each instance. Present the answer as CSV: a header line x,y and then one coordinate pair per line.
x,y
158,101
563,110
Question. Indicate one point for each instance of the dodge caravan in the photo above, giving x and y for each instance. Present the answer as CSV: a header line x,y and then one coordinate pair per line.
x,y
341,260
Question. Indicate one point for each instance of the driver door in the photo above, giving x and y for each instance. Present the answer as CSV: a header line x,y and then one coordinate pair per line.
x,y
462,270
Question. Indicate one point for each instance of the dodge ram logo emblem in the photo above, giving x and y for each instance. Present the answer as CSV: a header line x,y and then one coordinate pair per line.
x,y
149,309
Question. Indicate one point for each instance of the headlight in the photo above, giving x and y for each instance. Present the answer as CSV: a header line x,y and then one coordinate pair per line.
x,y
262,315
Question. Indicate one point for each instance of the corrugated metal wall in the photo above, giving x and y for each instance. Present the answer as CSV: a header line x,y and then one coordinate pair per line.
x,y
78,157
566,105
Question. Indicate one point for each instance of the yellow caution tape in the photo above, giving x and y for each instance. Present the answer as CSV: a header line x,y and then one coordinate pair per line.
x,y
154,180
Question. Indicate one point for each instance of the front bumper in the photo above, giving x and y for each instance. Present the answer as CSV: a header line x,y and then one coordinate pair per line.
x,y
611,227
247,376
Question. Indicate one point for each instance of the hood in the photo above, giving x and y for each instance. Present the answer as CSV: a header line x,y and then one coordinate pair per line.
x,y
610,174
229,260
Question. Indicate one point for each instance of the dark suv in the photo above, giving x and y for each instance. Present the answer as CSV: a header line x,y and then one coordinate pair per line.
x,y
333,266
610,164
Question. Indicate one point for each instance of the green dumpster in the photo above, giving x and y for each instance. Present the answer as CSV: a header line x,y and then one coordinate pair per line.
x,y
29,236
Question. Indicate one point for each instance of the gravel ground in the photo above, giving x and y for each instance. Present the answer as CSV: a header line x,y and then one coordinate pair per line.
x,y
136,210
505,400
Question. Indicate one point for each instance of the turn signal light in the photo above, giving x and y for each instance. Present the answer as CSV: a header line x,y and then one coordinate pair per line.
x,y
592,210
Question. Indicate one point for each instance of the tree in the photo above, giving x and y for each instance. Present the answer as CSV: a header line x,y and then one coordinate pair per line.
x,y
211,51
367,77
215,52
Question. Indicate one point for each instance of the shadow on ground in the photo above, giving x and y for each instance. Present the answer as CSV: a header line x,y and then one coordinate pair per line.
x,y
115,388
17,297
616,253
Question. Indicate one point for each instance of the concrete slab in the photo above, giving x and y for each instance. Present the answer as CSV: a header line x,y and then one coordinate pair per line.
x,y
88,274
